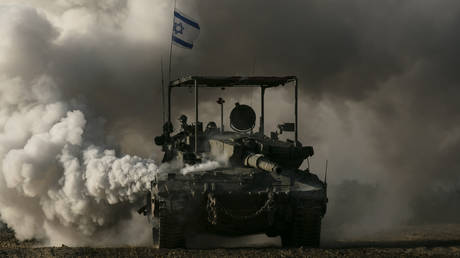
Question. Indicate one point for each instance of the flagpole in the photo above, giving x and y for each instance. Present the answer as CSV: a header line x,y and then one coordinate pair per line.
x,y
170,45
169,69
170,54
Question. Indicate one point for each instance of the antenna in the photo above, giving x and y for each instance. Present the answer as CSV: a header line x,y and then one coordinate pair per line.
x,y
252,73
162,90
221,102
325,173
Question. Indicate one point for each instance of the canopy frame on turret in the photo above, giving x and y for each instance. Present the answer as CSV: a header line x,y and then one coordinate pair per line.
x,y
232,81
263,82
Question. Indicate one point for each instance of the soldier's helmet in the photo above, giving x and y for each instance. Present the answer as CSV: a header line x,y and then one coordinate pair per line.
x,y
211,128
183,119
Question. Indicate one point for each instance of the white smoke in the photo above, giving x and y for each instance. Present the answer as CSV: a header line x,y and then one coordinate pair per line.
x,y
51,176
207,165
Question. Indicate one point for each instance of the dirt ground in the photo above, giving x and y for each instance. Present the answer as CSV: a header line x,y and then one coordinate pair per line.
x,y
413,241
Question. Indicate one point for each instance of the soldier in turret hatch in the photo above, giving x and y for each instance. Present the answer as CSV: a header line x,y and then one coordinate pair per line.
x,y
211,129
183,124
164,140
186,130
165,137
168,128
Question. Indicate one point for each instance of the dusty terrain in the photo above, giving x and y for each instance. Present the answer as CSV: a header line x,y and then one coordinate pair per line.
x,y
411,241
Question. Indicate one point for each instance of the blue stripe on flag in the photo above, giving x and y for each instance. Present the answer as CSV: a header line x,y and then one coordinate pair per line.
x,y
186,20
181,42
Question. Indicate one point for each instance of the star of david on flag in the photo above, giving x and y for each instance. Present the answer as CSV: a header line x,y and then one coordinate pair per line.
x,y
185,30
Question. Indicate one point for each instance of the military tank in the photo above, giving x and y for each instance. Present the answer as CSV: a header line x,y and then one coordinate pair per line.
x,y
257,187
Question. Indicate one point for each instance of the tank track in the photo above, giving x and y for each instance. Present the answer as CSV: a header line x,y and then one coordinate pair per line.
x,y
170,233
304,229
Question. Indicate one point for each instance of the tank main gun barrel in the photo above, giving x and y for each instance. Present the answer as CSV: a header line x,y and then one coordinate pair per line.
x,y
261,162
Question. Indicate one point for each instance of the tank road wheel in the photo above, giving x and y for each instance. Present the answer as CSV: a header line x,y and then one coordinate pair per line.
x,y
305,229
171,231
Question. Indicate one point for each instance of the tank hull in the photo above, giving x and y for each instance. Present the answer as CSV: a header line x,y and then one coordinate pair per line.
x,y
235,202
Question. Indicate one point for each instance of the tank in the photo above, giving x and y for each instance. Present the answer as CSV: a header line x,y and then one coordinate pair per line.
x,y
256,186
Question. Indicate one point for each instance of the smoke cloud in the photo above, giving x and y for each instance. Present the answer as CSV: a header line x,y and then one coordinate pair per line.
x,y
53,179
378,86
58,183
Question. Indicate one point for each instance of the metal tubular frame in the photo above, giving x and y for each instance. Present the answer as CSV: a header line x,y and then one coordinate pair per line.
x,y
262,116
295,113
262,110
196,118
169,103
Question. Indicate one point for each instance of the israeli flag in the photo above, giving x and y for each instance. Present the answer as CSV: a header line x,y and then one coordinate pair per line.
x,y
185,30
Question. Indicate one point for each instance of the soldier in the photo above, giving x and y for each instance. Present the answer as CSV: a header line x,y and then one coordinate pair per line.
x,y
165,137
168,128
211,128
165,140
183,123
